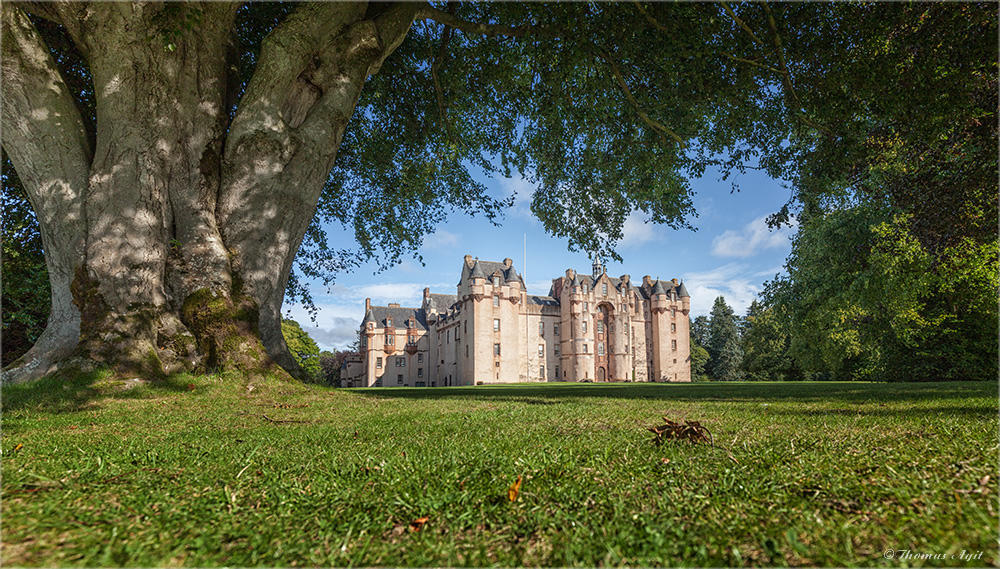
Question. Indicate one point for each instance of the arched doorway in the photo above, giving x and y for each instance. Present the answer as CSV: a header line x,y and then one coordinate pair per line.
x,y
602,333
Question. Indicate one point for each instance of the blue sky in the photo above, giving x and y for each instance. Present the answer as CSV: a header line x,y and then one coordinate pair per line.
x,y
731,254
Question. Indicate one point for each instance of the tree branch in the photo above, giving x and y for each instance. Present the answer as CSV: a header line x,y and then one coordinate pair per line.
x,y
435,65
69,15
635,104
786,76
491,30
45,137
742,24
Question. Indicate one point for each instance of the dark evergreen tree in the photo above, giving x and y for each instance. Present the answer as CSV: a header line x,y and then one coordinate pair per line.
x,y
724,348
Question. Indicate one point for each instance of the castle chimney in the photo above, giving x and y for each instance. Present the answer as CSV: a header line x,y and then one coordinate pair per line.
x,y
468,261
427,293
368,305
646,281
507,262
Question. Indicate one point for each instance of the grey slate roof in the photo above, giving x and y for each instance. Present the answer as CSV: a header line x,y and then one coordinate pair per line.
x,y
658,288
441,302
399,316
683,291
543,300
486,270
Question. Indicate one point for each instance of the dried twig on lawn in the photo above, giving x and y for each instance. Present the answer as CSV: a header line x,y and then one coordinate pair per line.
x,y
690,430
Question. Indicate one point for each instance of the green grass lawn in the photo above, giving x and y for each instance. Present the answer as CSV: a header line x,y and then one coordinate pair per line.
x,y
207,471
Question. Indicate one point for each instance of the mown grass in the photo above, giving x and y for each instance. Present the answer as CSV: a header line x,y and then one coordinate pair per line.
x,y
209,471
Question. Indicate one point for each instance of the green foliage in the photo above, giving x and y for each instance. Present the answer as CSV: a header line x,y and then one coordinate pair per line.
x,y
303,348
699,360
331,362
319,482
866,300
725,352
766,342
24,277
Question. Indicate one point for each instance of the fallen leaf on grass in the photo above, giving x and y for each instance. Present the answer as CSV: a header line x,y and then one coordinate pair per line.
x,y
691,430
418,523
17,447
514,489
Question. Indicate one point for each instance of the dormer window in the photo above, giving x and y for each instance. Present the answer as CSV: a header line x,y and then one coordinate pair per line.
x,y
496,280
388,322
604,289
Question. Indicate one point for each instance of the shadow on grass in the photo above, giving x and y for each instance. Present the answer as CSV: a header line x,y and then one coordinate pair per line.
x,y
848,392
71,392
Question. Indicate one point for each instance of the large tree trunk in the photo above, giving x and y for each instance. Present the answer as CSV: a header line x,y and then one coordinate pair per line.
x,y
45,138
188,226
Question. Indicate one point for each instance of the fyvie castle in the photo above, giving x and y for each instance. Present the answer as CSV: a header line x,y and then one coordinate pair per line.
x,y
589,328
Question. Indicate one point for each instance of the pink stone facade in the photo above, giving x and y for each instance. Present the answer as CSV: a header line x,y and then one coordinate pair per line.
x,y
592,328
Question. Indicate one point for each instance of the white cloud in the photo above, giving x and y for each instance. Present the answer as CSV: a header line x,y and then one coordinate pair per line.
x,y
406,294
336,325
751,240
441,240
636,231
734,281
522,191
539,288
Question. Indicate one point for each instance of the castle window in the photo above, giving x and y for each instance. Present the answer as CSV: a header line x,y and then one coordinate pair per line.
x,y
586,307
555,329
585,349
600,349
604,289
420,372
389,339
556,347
496,301
496,280
541,349
673,327
378,363
420,358
388,322
364,341
401,362
673,312
496,349
541,371
600,327
557,372
399,378
673,344
585,288
541,328
584,326
411,340
496,324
